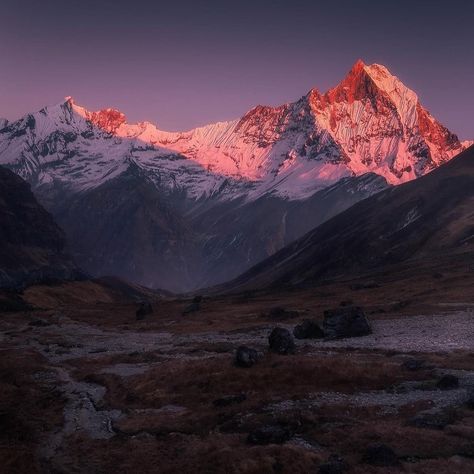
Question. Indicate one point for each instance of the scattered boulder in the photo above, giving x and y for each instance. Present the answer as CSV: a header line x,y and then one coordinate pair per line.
x,y
365,285
380,455
144,309
278,312
334,465
38,322
229,400
435,418
413,364
270,434
194,306
346,303
348,321
470,399
245,357
448,382
308,329
281,341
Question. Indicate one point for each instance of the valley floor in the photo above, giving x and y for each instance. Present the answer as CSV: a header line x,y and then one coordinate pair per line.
x,y
85,388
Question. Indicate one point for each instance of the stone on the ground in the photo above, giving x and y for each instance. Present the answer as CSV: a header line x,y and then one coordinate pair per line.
x,y
334,465
38,322
448,382
144,309
278,312
436,418
270,434
245,357
229,400
194,306
343,322
470,399
380,455
308,329
413,364
281,341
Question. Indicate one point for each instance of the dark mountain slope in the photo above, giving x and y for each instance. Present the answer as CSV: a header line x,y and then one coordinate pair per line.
x,y
430,217
32,246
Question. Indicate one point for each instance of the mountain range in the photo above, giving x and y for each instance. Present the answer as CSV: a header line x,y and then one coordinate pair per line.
x,y
183,210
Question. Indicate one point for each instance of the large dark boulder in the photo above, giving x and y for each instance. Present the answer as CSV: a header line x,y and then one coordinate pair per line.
x,y
245,357
344,322
144,309
308,329
281,341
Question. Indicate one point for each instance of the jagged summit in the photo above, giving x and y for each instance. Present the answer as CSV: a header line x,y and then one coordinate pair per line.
x,y
369,122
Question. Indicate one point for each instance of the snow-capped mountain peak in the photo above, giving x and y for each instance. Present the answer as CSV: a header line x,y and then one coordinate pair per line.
x,y
370,122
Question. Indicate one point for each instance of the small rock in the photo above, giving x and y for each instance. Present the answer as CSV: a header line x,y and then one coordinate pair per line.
x,y
380,455
271,434
334,465
344,322
346,303
281,341
229,400
470,399
433,419
364,285
38,322
308,329
413,364
194,306
245,357
448,382
144,309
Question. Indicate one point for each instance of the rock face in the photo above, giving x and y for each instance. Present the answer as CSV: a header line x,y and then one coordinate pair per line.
x,y
245,357
281,341
308,329
32,246
205,205
345,322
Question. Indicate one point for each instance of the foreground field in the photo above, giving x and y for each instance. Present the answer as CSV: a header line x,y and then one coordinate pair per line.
x,y
86,388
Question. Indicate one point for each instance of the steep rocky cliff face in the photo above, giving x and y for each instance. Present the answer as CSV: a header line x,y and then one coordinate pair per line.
x,y
32,246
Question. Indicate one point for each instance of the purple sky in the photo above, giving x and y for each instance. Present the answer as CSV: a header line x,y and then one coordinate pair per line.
x,y
185,63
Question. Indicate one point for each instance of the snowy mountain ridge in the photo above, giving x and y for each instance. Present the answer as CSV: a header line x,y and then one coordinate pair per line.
x,y
370,122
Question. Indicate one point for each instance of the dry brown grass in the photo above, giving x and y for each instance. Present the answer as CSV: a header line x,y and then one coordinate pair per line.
x,y
27,409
